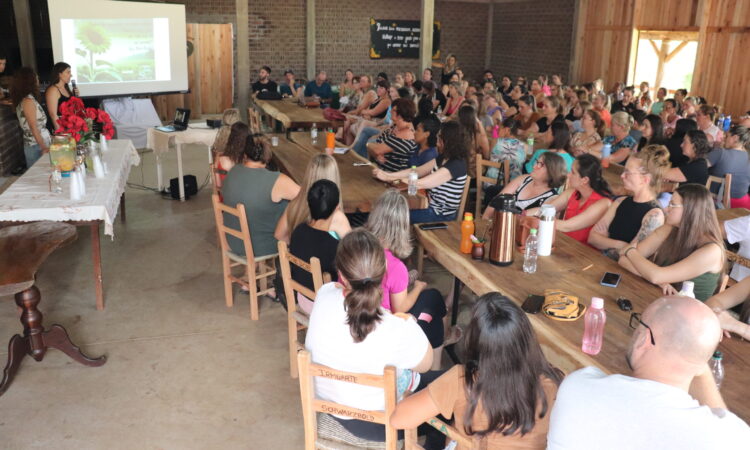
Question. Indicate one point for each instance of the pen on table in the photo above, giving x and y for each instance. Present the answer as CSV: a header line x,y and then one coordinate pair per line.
x,y
587,267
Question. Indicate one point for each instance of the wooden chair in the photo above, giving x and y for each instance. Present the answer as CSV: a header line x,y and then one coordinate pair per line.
x,y
258,270
297,320
322,431
722,199
253,117
482,178
410,436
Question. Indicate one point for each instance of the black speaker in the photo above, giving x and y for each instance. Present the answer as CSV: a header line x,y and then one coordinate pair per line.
x,y
191,187
213,123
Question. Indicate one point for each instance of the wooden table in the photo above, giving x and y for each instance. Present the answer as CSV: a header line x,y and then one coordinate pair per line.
x,y
731,213
564,269
292,115
358,188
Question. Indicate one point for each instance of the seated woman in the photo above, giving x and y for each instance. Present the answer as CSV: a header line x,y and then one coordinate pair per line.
x,y
455,99
705,117
585,201
631,219
24,94
688,246
674,142
722,302
265,195
652,131
229,118
575,115
623,144
551,112
670,117
367,129
499,408
537,188
316,238
389,222
350,330
369,116
444,177
508,146
695,148
321,167
560,144
527,115
600,103
426,137
424,110
234,150
476,135
590,139
395,145
347,88
733,159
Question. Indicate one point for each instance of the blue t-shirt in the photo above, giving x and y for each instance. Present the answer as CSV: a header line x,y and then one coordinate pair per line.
x,y
284,89
566,156
422,157
322,91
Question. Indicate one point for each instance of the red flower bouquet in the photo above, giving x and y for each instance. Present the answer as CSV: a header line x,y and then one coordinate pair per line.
x,y
84,123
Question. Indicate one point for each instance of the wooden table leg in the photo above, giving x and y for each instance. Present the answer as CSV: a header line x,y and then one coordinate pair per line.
x,y
450,349
96,253
122,208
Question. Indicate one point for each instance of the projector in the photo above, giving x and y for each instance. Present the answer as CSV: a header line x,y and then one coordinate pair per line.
x,y
213,123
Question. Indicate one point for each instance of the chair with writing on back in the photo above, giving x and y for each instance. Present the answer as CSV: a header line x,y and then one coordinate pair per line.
x,y
503,168
323,431
258,270
722,198
297,320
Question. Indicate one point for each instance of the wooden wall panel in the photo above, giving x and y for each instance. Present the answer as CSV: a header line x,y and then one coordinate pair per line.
x,y
210,74
606,40
666,15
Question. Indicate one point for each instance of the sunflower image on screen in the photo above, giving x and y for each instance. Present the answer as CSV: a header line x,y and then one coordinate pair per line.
x,y
116,50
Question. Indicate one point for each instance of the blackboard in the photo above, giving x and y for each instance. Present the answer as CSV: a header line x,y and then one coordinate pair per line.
x,y
399,39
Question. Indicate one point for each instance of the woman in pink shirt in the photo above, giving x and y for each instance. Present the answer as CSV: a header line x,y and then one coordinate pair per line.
x,y
389,222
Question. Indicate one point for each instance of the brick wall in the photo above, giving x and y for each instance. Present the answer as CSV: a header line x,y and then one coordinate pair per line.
x,y
532,37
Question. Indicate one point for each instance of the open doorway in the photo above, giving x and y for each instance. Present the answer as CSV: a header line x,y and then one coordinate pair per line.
x,y
665,59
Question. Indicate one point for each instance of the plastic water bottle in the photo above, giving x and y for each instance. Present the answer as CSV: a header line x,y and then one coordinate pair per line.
x,y
530,141
594,321
413,177
529,255
727,122
606,152
314,133
546,230
720,122
687,289
57,182
717,368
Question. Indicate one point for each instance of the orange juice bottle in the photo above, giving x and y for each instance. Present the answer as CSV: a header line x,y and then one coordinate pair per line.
x,y
467,229
330,140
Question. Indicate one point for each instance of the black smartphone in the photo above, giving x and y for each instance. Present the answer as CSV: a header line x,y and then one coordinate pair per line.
x,y
610,279
433,226
533,304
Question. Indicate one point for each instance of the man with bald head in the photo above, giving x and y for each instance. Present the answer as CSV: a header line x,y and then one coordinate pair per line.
x,y
670,401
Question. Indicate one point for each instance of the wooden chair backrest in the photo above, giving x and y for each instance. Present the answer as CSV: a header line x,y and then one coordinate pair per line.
x,y
311,405
482,178
291,286
253,117
725,189
464,196
243,233
216,178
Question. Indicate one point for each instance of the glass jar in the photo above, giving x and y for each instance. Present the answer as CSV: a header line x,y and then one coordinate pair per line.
x,y
62,153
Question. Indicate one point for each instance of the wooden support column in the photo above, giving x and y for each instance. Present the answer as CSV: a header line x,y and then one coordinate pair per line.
x,y
427,23
488,42
243,57
579,29
634,36
310,40
662,55
25,33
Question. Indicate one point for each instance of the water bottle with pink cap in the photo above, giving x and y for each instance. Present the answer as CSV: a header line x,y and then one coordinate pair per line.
x,y
594,321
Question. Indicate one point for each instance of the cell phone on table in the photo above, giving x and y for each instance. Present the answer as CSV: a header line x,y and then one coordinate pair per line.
x,y
533,304
433,226
610,279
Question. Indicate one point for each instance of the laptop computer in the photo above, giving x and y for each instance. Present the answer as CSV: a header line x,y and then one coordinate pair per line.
x,y
180,122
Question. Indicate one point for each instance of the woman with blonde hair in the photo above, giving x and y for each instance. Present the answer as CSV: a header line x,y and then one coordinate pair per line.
x,y
321,167
623,144
688,247
228,119
389,222
590,139
456,98
631,219
449,68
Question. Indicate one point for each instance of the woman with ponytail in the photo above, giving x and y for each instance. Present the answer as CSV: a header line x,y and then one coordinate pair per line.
x,y
264,193
585,201
503,395
350,330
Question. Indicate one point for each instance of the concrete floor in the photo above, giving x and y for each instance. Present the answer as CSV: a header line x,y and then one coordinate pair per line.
x,y
183,370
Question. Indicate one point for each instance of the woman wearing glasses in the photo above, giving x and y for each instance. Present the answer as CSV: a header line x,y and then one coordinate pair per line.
x,y
688,247
538,187
631,219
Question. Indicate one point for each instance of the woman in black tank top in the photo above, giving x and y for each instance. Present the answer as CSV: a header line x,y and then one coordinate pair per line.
x,y
58,92
632,219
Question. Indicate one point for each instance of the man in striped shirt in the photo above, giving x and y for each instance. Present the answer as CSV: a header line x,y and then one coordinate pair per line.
x,y
395,145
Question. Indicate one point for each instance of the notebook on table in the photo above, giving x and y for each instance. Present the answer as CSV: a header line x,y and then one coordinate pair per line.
x,y
180,122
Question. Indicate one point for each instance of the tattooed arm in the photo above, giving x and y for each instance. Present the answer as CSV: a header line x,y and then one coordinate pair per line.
x,y
647,246
651,221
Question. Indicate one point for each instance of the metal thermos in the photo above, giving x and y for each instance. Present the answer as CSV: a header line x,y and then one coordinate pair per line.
x,y
502,244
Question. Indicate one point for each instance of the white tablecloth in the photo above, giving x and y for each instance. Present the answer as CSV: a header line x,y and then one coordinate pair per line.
x,y
29,198
197,133
132,118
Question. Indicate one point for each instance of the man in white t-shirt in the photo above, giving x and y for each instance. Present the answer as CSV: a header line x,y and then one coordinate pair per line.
x,y
669,402
738,230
